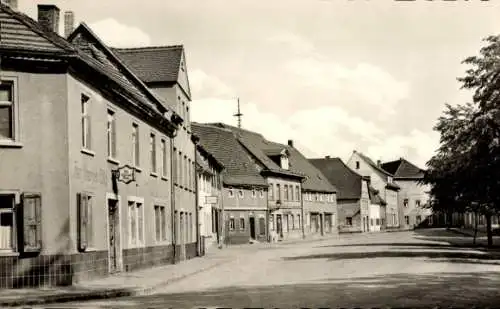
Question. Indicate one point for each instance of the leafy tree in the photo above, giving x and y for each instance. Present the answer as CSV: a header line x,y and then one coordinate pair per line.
x,y
465,171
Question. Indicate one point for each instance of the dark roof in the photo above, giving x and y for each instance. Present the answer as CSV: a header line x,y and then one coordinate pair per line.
x,y
347,181
382,173
225,147
402,168
211,159
155,63
375,197
258,146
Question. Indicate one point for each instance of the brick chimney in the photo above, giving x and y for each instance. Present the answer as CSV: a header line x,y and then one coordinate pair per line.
x,y
290,143
379,163
69,23
48,17
11,3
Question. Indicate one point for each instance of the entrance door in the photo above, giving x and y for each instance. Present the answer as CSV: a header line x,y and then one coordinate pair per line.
x,y
113,236
252,227
279,227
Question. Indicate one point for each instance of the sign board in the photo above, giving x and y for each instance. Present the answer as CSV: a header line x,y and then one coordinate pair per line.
x,y
210,199
125,174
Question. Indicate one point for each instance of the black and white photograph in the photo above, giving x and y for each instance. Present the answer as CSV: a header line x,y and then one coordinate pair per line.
x,y
249,154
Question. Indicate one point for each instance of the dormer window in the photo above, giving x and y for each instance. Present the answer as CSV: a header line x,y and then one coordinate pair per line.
x,y
284,162
389,179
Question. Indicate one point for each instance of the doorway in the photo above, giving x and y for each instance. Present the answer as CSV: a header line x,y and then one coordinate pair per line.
x,y
252,227
279,227
113,236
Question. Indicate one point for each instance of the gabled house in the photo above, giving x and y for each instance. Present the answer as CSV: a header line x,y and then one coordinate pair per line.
x,y
209,189
244,189
163,69
85,167
413,197
360,208
284,191
383,182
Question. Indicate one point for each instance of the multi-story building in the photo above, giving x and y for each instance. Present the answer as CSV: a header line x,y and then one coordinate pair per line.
x,y
285,184
244,189
413,198
209,190
359,205
85,158
383,182
163,69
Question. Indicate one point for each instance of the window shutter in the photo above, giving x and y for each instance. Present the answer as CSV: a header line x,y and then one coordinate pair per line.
x,y
31,215
82,221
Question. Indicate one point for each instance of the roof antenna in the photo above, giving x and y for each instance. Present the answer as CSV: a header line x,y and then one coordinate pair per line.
x,y
238,114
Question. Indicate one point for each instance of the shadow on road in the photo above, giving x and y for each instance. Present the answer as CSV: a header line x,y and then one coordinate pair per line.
x,y
421,290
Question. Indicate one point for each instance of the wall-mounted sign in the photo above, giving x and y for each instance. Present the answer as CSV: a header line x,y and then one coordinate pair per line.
x,y
125,174
210,199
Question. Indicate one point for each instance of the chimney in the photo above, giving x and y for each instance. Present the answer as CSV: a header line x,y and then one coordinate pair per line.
x,y
327,157
11,3
69,23
48,17
379,163
290,143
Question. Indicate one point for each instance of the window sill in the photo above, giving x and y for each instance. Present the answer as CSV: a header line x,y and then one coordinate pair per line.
x,y
8,253
113,160
138,169
153,174
87,152
90,250
10,144
164,178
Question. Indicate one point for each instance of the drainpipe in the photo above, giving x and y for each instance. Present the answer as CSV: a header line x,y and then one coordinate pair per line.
x,y
196,200
221,218
172,196
302,210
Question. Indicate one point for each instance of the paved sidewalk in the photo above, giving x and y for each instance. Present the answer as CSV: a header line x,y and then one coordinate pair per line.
x,y
141,282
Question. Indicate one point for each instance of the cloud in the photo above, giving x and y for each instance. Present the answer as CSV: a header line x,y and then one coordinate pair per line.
x,y
292,41
316,131
117,34
204,85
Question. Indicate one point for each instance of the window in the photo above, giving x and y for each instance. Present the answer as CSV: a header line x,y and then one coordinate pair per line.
x,y
231,224
190,227
254,194
262,226
261,193
231,192
136,223
188,170
185,172
152,152
7,222
405,202
377,221
298,221
297,193
179,169
278,191
285,188
135,145
292,222
164,166
7,114
160,223
85,222
32,217
240,193
292,198
85,105
348,221
418,220
271,192
242,224
371,221
357,165
417,203
111,133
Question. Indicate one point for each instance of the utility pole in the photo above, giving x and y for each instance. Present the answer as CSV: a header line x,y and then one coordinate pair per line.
x,y
238,114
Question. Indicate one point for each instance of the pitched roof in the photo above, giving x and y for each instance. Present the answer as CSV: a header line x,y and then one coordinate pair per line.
x,y
379,170
402,168
347,181
257,145
19,31
375,197
154,63
225,147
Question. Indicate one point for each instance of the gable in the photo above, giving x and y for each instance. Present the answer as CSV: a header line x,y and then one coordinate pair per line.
x,y
183,78
18,31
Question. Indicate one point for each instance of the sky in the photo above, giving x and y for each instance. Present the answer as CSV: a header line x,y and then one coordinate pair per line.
x,y
332,75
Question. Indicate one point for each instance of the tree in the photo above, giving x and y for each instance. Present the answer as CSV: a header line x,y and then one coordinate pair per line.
x,y
465,171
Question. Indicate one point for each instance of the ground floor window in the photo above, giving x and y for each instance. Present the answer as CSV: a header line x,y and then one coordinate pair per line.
x,y
7,222
407,220
231,224
348,221
242,224
160,223
136,223
419,219
85,221
262,226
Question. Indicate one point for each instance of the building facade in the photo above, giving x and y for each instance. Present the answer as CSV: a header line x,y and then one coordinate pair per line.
x,y
413,198
163,69
209,190
382,181
85,158
359,206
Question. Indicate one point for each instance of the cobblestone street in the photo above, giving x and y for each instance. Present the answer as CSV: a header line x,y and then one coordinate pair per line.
x,y
411,269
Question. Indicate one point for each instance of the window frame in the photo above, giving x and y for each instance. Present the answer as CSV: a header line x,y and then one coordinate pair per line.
x,y
232,224
139,243
241,194
241,224
163,227
15,138
111,134
86,123
230,193
14,228
89,221
164,161
136,156
153,164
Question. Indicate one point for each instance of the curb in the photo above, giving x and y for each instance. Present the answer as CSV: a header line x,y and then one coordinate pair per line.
x,y
98,295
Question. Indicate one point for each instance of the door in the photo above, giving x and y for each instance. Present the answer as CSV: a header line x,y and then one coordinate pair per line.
x,y
113,236
252,227
279,227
